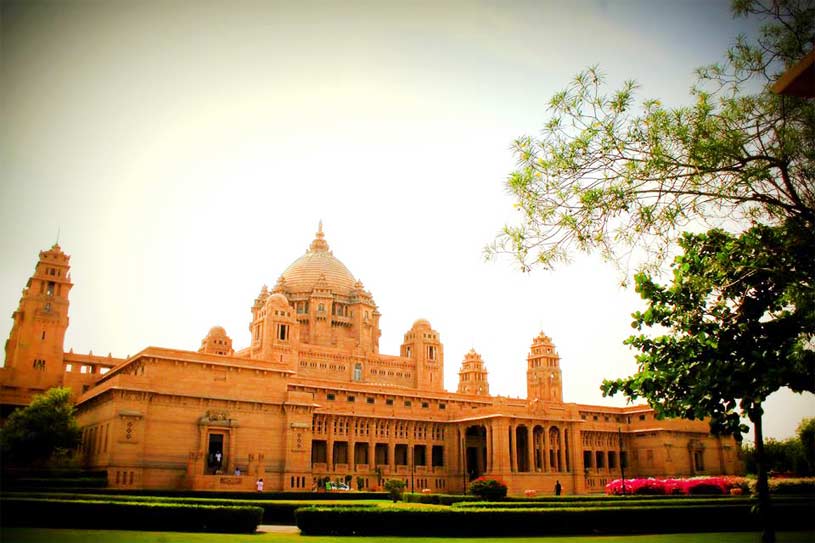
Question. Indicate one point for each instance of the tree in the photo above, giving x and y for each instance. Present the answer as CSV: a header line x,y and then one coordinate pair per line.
x,y
806,435
395,487
739,319
34,434
610,173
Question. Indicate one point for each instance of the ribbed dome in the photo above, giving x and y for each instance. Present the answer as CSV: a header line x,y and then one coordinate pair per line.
x,y
305,272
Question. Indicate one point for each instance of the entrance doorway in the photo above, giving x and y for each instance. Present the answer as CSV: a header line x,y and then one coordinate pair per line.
x,y
215,453
475,442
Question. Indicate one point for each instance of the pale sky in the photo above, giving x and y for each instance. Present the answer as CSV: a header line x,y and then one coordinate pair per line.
x,y
185,152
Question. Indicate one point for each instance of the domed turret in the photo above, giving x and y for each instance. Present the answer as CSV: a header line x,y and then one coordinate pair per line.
x,y
217,342
423,345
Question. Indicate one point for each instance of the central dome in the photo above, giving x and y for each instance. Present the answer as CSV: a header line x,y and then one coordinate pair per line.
x,y
318,262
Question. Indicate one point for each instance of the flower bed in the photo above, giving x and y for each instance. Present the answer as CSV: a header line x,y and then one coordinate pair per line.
x,y
693,485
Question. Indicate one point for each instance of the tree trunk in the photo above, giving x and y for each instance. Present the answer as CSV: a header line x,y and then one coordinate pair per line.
x,y
763,485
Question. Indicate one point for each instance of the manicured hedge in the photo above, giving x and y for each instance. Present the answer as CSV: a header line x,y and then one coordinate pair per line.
x,y
232,495
793,486
631,502
438,499
453,522
45,513
57,482
274,511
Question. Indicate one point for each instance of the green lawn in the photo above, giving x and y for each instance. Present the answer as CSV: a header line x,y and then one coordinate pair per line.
x,y
36,535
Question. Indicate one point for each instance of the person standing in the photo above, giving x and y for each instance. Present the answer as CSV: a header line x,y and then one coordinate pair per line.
x,y
558,488
259,485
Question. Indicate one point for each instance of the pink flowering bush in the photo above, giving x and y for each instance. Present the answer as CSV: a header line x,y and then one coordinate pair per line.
x,y
694,485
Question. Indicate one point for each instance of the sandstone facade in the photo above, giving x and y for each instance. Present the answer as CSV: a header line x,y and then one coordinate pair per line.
x,y
312,396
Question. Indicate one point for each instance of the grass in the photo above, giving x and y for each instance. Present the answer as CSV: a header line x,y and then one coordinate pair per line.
x,y
37,535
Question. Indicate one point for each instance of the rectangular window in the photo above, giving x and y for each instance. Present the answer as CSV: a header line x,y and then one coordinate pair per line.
x,y
329,397
369,400
438,456
401,454
407,403
389,401
351,398
442,406
425,405
283,332
419,455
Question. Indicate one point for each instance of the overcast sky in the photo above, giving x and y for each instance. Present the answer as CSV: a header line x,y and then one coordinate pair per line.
x,y
185,152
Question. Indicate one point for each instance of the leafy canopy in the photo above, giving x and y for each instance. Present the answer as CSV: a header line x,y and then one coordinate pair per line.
x,y
738,320
32,435
611,172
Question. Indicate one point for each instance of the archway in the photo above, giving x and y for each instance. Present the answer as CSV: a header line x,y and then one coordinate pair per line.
x,y
522,447
475,447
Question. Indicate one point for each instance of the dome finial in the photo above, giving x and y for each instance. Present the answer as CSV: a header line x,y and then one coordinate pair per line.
x,y
319,244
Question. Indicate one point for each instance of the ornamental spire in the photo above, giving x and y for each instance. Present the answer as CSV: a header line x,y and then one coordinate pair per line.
x,y
319,244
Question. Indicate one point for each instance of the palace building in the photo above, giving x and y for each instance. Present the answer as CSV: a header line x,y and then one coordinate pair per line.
x,y
311,396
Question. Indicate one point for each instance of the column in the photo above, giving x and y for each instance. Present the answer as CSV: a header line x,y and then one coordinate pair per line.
x,y
512,437
329,443
545,452
530,448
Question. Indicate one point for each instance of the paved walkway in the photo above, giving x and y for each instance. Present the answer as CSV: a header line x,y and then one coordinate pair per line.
x,y
278,529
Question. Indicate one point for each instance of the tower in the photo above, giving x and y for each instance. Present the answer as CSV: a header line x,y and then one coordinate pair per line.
x,y
543,376
472,377
34,349
275,334
423,346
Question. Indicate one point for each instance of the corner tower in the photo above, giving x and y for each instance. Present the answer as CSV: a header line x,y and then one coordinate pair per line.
x,y
34,349
423,346
543,376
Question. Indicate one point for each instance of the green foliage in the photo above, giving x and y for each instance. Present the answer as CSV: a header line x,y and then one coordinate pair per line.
x,y
785,457
395,487
739,319
488,488
45,428
133,516
611,172
806,435
736,306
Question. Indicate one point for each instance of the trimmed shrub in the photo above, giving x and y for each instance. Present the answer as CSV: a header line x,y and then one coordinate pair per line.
x,y
455,522
395,488
129,516
438,499
274,511
488,488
